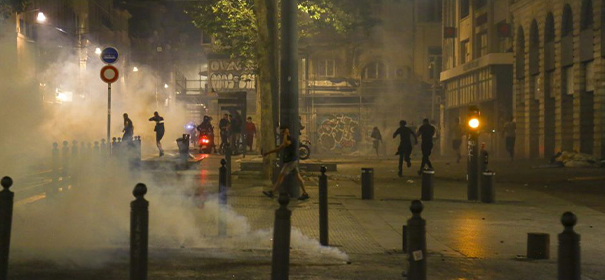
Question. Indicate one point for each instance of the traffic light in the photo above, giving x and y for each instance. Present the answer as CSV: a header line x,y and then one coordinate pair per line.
x,y
474,120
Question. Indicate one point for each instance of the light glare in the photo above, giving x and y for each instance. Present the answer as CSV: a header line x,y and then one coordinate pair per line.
x,y
473,123
41,17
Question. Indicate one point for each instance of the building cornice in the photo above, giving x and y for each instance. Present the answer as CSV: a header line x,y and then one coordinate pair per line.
x,y
486,60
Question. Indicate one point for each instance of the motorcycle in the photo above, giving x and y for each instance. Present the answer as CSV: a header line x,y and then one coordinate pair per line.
x,y
206,143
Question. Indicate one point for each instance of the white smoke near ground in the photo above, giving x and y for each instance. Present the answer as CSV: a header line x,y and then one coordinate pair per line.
x,y
82,225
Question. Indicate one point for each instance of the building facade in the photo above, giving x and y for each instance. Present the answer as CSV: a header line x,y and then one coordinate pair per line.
x,y
559,71
477,68
350,84
64,31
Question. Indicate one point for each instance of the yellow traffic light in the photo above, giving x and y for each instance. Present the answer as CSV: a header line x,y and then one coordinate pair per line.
x,y
473,123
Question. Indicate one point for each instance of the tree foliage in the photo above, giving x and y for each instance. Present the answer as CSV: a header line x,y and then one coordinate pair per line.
x,y
9,7
233,22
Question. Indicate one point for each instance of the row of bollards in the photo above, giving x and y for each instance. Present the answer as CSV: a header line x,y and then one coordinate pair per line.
x,y
488,194
568,266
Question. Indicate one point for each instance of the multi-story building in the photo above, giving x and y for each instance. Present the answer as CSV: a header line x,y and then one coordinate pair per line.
x,y
559,95
477,67
350,84
69,32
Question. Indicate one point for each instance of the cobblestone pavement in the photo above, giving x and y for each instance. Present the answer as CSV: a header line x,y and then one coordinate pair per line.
x,y
465,240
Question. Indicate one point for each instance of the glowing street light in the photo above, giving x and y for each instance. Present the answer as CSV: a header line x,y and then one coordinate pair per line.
x,y
41,18
473,123
165,85
98,51
135,69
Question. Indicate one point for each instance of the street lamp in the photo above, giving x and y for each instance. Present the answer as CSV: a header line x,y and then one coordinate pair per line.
x,y
41,18
165,85
473,123
98,51
135,69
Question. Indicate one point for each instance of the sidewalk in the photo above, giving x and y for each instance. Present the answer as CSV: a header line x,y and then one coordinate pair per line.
x,y
465,240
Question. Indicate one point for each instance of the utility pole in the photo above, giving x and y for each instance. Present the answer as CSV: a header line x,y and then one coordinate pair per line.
x,y
289,83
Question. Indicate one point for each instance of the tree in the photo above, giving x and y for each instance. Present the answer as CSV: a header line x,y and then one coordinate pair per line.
x,y
9,7
247,30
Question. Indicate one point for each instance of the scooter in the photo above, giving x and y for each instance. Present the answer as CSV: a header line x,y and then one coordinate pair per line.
x,y
206,143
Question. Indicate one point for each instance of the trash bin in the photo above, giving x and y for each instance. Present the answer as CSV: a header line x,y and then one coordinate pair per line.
x,y
367,183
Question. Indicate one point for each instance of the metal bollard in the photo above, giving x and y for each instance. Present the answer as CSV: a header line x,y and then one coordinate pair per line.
x,y
139,151
488,194
367,183
222,198
404,239
114,146
569,249
427,185
103,147
416,243
323,207
280,264
75,164
55,171
139,233
228,153
6,221
65,164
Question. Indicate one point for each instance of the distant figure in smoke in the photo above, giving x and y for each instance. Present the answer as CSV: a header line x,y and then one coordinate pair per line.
x,y
159,130
236,130
405,144
223,126
250,132
457,132
128,129
437,136
426,132
377,139
289,146
510,134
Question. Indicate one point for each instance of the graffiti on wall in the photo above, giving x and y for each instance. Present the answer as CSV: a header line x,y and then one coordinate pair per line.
x,y
230,75
338,132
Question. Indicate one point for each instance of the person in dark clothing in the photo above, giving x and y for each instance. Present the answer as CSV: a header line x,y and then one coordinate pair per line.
x,y
223,126
405,145
159,130
426,132
377,139
289,146
206,128
236,129
128,129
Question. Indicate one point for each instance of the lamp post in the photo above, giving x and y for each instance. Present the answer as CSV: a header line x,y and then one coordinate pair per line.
x,y
474,123
289,82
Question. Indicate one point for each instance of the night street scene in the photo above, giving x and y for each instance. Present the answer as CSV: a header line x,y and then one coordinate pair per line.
x,y
302,139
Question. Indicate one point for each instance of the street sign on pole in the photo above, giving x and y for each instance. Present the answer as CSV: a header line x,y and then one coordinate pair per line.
x,y
109,55
109,74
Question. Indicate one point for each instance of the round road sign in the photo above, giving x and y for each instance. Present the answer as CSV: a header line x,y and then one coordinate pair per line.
x,y
109,74
109,55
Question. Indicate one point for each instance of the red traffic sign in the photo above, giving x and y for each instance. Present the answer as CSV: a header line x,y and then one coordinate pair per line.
x,y
109,74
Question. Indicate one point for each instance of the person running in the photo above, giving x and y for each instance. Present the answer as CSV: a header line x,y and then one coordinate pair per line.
x,y
159,130
405,144
223,126
457,133
377,140
128,129
426,132
510,134
289,146
250,132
